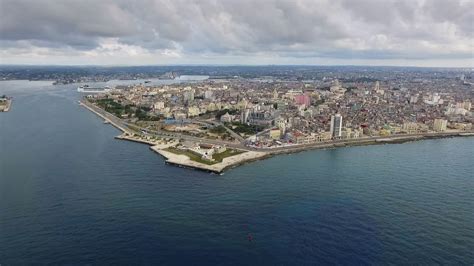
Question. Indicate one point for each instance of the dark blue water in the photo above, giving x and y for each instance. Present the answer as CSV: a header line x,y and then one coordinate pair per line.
x,y
72,194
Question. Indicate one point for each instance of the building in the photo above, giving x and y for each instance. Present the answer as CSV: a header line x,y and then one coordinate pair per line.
x,y
303,99
410,127
226,118
159,106
413,99
188,96
467,105
440,124
244,116
336,126
274,133
209,95
275,94
193,111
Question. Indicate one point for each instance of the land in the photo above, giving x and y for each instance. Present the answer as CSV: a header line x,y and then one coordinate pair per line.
x,y
5,103
165,145
242,113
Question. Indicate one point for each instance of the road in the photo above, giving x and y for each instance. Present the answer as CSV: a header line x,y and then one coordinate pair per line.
x,y
231,132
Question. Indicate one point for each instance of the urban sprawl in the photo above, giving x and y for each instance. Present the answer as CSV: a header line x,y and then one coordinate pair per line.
x,y
210,120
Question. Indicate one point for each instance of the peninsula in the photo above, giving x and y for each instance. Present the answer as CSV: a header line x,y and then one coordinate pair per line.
x,y
214,125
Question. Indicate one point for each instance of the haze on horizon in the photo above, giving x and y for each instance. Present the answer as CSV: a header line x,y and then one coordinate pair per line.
x,y
433,33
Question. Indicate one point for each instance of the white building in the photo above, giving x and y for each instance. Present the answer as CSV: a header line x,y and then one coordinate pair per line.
x,y
188,95
226,118
440,125
159,106
209,95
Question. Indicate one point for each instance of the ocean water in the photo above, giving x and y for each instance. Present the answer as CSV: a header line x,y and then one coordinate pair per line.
x,y
72,194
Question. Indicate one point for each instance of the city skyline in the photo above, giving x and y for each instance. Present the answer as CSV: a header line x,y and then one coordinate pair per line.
x,y
388,33
236,132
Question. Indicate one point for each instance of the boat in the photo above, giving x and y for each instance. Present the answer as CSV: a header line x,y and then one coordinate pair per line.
x,y
88,89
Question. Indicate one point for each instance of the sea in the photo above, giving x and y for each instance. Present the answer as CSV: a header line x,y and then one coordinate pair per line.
x,y
71,194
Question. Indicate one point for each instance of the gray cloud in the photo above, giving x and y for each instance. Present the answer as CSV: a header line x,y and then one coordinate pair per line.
x,y
372,29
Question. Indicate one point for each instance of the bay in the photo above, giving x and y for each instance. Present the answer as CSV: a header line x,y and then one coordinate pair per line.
x,y
72,194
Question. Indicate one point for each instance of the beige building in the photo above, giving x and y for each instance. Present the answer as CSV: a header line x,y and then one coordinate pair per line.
x,y
193,111
440,125
410,127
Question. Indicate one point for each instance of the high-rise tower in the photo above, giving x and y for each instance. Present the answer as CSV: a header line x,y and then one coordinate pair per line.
x,y
336,126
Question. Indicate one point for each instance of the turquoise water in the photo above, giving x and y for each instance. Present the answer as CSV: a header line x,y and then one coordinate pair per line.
x,y
72,194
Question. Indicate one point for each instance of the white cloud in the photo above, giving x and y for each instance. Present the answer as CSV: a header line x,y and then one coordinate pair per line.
x,y
236,31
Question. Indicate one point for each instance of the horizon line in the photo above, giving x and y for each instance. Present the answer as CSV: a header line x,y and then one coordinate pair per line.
x,y
234,65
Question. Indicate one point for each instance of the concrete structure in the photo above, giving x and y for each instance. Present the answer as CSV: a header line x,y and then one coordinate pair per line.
x,y
336,126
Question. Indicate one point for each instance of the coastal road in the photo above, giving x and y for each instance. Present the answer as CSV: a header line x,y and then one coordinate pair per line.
x,y
343,142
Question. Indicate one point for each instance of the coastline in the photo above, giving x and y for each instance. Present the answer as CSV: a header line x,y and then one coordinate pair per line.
x,y
254,154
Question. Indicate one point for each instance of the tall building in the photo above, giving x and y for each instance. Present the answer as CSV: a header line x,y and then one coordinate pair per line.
x,y
244,116
188,96
467,105
440,125
336,126
377,86
275,94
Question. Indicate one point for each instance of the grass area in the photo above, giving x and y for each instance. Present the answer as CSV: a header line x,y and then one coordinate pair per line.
x,y
193,156
218,130
244,128
218,157
128,110
228,153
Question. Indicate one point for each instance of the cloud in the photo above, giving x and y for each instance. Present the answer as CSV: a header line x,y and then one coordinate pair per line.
x,y
279,29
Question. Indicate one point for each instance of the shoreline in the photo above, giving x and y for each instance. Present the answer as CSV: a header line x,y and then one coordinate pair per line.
x,y
255,154
219,168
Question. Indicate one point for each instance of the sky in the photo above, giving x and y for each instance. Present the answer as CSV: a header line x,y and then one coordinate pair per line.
x,y
433,33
